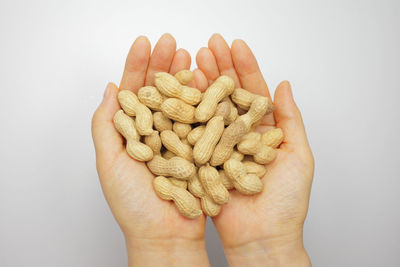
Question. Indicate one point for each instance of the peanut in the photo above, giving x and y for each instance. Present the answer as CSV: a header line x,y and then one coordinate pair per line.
x,y
243,98
170,86
184,76
172,142
257,169
151,97
262,154
126,127
227,110
212,184
204,147
272,138
161,123
181,129
185,202
225,180
236,155
247,184
168,155
195,134
176,109
176,167
179,183
132,107
222,87
154,142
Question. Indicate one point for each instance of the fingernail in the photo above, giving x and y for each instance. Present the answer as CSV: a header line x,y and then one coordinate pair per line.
x,y
107,91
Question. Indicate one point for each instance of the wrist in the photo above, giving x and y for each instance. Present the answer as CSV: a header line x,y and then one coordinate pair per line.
x,y
282,251
166,252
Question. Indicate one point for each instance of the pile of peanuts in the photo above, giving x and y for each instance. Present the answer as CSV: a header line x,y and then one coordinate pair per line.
x,y
196,143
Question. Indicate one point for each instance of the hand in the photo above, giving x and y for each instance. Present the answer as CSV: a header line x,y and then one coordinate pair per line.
x,y
156,234
264,229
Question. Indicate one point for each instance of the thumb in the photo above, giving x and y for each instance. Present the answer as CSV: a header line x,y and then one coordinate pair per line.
x,y
107,141
288,117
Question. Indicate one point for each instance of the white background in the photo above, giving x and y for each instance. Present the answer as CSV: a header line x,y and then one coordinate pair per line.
x,y
56,57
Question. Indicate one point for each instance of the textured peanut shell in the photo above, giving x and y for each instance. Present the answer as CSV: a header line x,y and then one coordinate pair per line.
x,y
227,110
132,107
126,127
151,97
176,109
212,184
237,155
154,142
222,87
226,181
255,168
252,135
247,184
178,182
262,154
184,76
204,147
161,123
168,155
185,202
176,167
171,141
170,87
243,98
195,134
272,138
181,129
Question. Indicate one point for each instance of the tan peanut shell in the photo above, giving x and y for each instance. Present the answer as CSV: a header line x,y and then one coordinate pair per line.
x,y
243,98
247,184
255,168
132,107
168,155
204,147
227,110
170,87
212,184
236,155
176,109
209,207
176,167
272,138
184,76
195,134
178,182
151,97
222,87
154,142
172,142
262,154
126,127
226,181
181,129
161,123
185,202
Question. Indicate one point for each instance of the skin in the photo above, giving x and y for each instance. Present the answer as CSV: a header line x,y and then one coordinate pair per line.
x,y
265,229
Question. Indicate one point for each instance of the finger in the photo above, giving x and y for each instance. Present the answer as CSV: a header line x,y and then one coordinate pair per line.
x,y
181,61
207,64
288,117
222,54
161,58
107,141
200,80
136,65
247,68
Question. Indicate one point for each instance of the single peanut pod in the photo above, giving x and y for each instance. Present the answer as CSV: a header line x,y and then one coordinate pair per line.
x,y
243,98
177,110
154,142
255,168
272,138
178,182
126,127
205,146
226,181
261,153
161,123
227,110
247,184
222,87
181,129
185,202
171,141
132,107
170,87
195,134
209,207
234,132
151,97
184,76
168,155
212,184
176,167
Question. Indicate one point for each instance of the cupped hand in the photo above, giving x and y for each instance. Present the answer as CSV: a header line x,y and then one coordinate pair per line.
x,y
268,226
154,230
